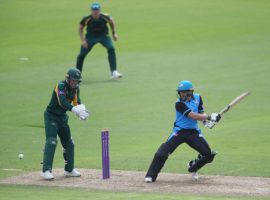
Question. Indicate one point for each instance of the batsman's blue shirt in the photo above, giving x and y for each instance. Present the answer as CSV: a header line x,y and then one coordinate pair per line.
x,y
183,108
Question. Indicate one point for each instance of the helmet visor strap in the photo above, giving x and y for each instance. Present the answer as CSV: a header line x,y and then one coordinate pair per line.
x,y
189,92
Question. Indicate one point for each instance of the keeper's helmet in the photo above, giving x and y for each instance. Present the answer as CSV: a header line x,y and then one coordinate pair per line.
x,y
74,74
184,86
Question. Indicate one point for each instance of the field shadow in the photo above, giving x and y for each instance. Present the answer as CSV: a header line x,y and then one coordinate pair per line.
x,y
93,82
33,125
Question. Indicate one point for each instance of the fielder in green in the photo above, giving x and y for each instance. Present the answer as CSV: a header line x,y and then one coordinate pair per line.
x,y
97,32
65,97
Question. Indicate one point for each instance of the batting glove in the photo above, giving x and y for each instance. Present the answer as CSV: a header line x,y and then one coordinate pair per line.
x,y
215,117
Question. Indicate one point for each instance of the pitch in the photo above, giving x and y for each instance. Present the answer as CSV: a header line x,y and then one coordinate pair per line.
x,y
131,181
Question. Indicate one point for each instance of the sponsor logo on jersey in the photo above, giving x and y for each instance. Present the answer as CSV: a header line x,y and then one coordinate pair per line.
x,y
61,92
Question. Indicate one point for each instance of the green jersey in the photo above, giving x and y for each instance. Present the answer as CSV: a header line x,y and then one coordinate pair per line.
x,y
62,99
96,27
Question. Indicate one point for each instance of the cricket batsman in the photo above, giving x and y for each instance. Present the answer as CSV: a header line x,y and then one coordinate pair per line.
x,y
189,110
97,32
65,97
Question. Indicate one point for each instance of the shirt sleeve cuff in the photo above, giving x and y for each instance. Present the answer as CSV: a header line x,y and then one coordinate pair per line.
x,y
70,107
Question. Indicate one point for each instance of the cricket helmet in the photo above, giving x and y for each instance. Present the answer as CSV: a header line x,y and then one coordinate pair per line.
x,y
74,74
184,86
95,6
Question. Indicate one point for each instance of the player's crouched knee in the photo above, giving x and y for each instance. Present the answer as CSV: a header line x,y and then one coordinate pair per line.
x,y
111,50
51,141
210,157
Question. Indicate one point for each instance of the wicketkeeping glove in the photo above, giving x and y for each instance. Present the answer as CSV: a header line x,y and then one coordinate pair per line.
x,y
80,111
76,110
84,115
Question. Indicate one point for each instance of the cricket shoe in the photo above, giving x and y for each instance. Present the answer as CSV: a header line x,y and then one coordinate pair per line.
x,y
47,175
116,75
148,179
195,176
73,173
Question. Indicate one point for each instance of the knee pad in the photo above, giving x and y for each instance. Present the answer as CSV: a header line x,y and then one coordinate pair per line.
x,y
200,161
210,157
51,141
163,151
207,158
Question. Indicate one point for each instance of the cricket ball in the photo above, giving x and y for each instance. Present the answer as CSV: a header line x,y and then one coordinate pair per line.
x,y
20,156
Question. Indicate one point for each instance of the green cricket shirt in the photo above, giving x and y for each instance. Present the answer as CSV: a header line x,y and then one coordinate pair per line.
x,y
62,99
96,27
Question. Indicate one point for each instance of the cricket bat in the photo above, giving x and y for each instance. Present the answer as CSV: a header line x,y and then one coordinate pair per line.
x,y
228,107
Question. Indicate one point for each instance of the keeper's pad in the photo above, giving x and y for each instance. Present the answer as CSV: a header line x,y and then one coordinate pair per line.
x,y
68,154
49,151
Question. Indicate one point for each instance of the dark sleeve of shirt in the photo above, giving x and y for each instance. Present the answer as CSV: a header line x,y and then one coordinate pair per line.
x,y
61,96
83,21
182,108
201,109
106,17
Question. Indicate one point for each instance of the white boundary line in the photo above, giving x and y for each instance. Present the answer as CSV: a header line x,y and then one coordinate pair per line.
x,y
13,170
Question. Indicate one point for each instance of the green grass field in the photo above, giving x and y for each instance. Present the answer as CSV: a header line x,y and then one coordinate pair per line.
x,y
58,193
222,46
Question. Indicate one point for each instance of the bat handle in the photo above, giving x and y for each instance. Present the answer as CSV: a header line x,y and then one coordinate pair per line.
x,y
225,110
210,124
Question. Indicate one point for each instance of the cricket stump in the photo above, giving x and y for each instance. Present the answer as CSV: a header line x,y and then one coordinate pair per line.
x,y
105,154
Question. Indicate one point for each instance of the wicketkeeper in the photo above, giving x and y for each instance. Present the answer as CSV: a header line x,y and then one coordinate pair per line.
x,y
97,32
189,109
65,97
